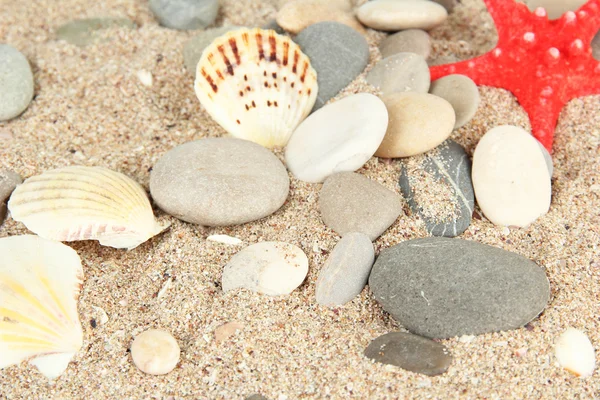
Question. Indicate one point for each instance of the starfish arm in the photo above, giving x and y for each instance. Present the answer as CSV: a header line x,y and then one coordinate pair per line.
x,y
543,114
580,83
588,20
505,10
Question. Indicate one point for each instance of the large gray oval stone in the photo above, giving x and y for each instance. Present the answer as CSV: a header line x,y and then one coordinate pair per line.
x,y
185,14
337,52
402,72
437,186
16,82
410,352
441,288
219,181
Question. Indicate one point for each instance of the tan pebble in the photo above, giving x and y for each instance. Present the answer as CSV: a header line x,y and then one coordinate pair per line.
x,y
155,352
227,330
394,15
575,353
299,14
418,122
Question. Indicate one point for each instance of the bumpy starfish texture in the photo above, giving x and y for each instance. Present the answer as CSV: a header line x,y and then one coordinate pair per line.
x,y
544,63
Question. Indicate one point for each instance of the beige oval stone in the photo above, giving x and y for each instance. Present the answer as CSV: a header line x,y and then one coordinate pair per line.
x,y
461,92
396,15
299,14
418,122
510,177
155,352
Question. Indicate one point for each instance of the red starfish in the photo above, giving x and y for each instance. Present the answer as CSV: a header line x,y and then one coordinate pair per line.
x,y
543,63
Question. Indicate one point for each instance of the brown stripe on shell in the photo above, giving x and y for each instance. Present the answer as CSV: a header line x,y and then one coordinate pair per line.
x,y
221,49
210,81
273,43
246,39
286,50
234,49
304,71
261,51
220,75
296,58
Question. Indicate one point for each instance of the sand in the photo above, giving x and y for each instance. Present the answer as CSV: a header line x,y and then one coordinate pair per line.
x,y
90,108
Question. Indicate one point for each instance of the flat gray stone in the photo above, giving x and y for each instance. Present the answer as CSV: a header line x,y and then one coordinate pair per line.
x,y
16,82
256,396
448,4
193,48
185,14
337,52
402,72
82,32
409,41
596,46
442,288
351,202
346,271
8,182
219,182
443,174
410,352
461,92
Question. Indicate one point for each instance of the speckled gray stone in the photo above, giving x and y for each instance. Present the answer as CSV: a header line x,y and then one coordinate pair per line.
x,y
409,41
82,32
346,271
461,92
337,52
350,202
219,182
185,14
410,352
402,72
450,165
441,288
8,182
193,48
16,82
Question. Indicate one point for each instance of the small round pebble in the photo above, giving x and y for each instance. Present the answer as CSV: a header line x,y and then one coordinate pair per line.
x,y
16,82
8,182
155,352
575,353
461,92
507,194
394,15
402,72
193,48
555,8
296,15
448,4
185,14
418,123
219,182
342,136
409,41
82,32
346,271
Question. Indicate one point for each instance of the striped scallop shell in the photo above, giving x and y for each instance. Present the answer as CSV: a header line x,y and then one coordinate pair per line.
x,y
40,282
85,203
257,85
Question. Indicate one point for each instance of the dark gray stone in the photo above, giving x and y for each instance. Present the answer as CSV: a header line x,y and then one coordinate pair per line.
x,y
410,352
185,14
337,52
16,82
82,32
193,48
450,165
441,288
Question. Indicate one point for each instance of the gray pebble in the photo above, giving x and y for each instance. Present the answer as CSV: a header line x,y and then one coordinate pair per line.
x,y
402,72
219,182
448,4
273,25
185,14
16,82
8,182
409,41
461,92
410,352
596,46
351,202
193,48
337,52
256,396
82,32
441,60
441,288
346,271
450,165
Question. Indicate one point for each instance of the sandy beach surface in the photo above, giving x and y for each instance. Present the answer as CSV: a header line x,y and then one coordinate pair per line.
x,y
90,108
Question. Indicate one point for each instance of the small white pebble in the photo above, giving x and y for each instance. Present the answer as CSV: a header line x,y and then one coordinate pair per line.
x,y
521,352
575,353
501,343
145,77
224,239
466,338
155,352
103,317
505,231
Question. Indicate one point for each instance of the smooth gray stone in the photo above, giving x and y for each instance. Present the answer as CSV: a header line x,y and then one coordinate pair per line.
x,y
448,4
2,212
596,46
219,182
273,25
450,165
409,41
82,32
461,92
442,288
16,82
410,352
337,52
402,72
441,60
9,180
346,271
350,202
185,14
256,396
193,48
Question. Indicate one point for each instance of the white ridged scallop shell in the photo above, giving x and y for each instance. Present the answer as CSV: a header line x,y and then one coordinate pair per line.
x,y
40,282
257,85
85,203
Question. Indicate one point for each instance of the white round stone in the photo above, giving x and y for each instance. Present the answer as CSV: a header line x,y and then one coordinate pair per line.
x,y
418,123
155,352
575,353
272,268
339,137
402,72
510,177
395,15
